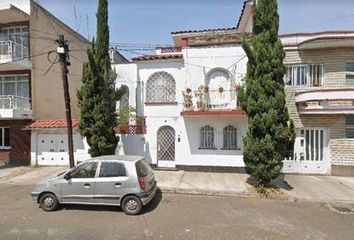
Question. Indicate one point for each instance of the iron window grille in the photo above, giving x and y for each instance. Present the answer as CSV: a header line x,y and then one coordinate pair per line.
x,y
207,137
230,137
161,87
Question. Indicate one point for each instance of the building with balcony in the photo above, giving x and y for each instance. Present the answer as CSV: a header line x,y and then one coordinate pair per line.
x,y
187,95
31,95
320,97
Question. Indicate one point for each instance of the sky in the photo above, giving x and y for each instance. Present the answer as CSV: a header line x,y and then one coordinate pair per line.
x,y
152,21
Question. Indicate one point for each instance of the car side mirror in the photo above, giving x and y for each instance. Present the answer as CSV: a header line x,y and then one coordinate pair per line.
x,y
67,176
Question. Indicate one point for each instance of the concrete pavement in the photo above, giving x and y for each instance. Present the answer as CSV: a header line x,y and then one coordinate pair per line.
x,y
292,187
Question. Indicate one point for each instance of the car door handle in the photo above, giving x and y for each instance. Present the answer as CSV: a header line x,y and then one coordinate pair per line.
x,y
118,184
87,185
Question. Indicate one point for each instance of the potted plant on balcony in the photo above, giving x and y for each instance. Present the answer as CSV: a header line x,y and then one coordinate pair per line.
x,y
237,88
200,94
221,89
188,103
188,90
206,88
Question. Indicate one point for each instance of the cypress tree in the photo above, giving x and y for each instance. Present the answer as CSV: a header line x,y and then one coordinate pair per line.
x,y
270,136
97,96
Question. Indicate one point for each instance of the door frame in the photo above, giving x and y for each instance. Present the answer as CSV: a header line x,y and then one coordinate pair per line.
x,y
165,163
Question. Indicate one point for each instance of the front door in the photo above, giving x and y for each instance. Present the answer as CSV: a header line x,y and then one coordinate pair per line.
x,y
166,147
310,152
80,187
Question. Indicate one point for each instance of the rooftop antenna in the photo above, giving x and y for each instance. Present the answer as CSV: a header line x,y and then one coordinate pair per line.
x,y
77,23
87,26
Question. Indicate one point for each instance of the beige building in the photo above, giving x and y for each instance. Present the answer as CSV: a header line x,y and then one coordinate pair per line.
x,y
31,91
320,97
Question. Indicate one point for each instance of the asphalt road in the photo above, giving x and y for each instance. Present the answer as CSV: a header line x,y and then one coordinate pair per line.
x,y
171,217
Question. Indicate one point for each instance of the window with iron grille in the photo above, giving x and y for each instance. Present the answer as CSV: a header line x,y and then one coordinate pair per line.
x,y
124,106
4,137
349,126
161,87
230,137
207,137
304,75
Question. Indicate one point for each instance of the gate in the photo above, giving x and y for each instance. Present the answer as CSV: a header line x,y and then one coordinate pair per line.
x,y
166,147
310,152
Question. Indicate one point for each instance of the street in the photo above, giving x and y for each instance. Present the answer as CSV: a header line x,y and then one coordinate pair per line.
x,y
172,216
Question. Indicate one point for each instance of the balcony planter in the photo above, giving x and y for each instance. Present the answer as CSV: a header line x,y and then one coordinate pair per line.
x,y
206,88
188,90
221,89
238,88
201,105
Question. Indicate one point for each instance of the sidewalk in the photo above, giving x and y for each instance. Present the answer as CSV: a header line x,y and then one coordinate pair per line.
x,y
294,187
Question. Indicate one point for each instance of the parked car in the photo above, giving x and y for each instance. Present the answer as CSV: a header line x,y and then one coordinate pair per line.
x,y
126,181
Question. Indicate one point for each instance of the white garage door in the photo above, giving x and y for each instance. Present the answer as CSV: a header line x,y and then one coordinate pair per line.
x,y
52,149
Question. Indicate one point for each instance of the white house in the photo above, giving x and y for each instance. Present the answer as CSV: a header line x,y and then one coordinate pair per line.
x,y
187,94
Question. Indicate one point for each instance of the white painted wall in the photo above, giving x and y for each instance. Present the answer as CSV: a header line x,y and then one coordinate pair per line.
x,y
24,5
189,72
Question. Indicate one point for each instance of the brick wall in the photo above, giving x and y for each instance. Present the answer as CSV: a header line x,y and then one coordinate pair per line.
x,y
20,141
334,60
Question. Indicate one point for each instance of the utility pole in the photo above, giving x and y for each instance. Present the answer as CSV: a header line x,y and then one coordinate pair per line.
x,y
63,52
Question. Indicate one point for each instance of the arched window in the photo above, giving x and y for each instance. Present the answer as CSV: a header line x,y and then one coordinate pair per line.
x,y
124,106
207,137
220,94
230,137
161,87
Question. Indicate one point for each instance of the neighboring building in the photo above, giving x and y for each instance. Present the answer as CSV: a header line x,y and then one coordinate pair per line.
x,y
187,94
32,112
320,98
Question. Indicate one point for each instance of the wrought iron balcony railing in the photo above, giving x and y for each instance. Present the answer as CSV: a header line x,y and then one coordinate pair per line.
x,y
15,102
12,51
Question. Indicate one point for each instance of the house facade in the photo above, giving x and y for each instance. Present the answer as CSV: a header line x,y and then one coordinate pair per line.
x,y
32,112
187,94
320,97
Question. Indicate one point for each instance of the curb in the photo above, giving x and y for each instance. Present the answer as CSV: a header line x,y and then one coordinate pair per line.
x,y
239,194
243,194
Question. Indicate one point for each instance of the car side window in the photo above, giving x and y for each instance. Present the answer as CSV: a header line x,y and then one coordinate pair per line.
x,y
85,170
112,169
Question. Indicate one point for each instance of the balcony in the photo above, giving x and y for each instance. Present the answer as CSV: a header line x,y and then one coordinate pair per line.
x,y
15,107
11,51
325,101
205,102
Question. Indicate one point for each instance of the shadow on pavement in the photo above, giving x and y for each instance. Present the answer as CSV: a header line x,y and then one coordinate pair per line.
x,y
278,182
146,209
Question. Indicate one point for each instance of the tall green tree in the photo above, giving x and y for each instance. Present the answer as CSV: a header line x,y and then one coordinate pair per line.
x,y
97,96
270,136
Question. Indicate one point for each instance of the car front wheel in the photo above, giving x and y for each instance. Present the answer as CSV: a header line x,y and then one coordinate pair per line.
x,y
48,202
132,205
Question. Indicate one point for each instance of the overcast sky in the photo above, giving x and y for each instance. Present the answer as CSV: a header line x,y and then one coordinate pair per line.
x,y
152,21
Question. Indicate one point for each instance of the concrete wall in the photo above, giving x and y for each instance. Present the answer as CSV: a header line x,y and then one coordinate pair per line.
x,y
47,88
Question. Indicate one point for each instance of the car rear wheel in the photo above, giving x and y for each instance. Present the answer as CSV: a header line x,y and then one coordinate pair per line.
x,y
132,205
48,202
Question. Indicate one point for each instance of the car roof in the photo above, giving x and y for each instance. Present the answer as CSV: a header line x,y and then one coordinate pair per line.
x,y
129,158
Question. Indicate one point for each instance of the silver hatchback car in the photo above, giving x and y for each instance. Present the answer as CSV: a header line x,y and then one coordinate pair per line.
x,y
126,181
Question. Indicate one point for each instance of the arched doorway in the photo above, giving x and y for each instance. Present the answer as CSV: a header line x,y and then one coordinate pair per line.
x,y
166,147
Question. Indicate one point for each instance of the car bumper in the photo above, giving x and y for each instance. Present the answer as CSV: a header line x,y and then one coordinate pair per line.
x,y
34,196
148,196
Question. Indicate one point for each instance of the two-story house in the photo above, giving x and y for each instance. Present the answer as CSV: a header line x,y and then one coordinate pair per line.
x,y
320,97
188,96
32,112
